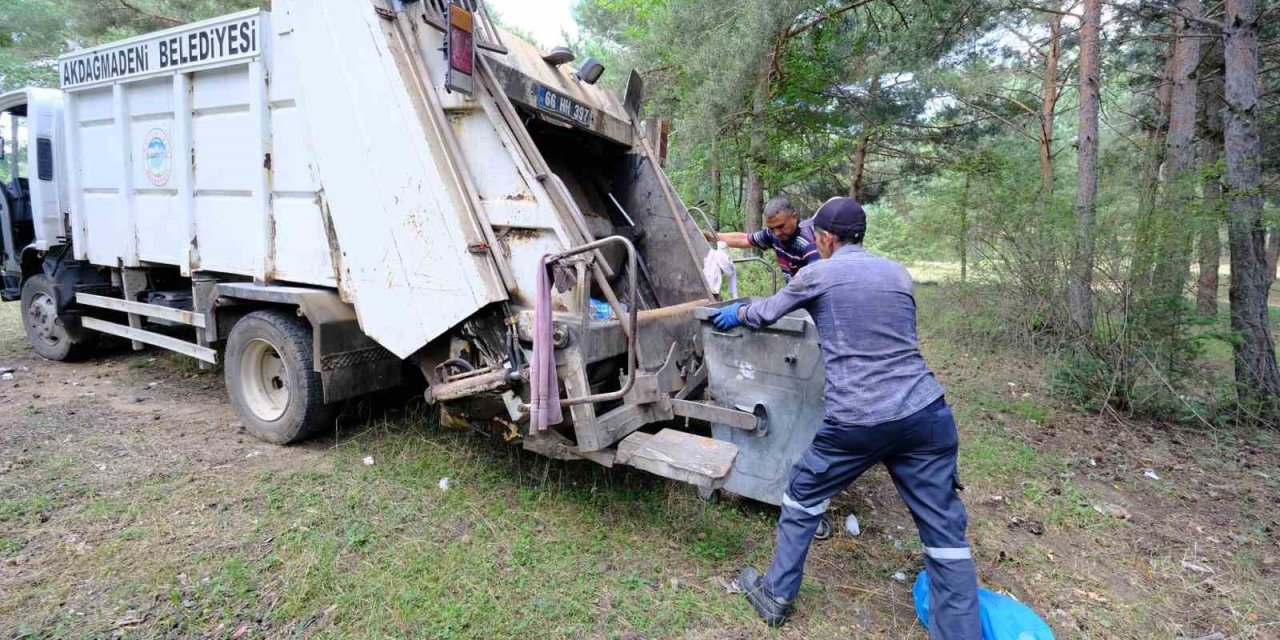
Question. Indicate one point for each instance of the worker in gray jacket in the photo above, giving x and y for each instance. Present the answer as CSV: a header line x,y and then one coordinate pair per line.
x,y
883,405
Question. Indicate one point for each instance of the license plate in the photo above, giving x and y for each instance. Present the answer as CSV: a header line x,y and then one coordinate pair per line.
x,y
549,100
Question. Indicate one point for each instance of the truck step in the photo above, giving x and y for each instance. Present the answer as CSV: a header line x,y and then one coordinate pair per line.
x,y
162,312
680,456
196,351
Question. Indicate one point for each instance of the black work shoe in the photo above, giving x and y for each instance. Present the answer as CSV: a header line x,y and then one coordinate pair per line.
x,y
773,610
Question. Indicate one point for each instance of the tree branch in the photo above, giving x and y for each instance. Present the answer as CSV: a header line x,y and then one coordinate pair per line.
x,y
823,18
1013,125
1035,48
1216,26
1015,101
1046,10
159,17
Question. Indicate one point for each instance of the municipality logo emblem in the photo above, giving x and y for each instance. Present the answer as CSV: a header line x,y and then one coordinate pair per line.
x,y
159,158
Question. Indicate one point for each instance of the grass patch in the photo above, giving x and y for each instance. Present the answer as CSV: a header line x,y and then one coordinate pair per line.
x,y
518,546
110,509
25,509
187,365
926,272
993,455
10,546
1066,505
142,362
566,557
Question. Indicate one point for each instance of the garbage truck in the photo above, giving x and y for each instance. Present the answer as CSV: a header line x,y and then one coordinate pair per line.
x,y
328,196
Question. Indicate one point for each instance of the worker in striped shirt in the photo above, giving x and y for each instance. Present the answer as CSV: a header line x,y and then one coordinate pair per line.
x,y
790,239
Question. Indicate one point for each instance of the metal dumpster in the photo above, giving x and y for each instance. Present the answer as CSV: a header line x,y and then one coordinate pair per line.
x,y
777,371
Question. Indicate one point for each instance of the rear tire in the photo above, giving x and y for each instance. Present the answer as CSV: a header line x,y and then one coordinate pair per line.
x,y
53,335
271,378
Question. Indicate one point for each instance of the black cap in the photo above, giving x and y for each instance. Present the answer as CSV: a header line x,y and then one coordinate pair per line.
x,y
842,216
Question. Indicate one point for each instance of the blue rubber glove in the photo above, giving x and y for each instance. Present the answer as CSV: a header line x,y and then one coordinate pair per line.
x,y
728,317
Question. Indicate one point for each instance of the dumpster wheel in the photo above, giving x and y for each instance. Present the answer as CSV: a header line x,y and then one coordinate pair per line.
x,y
825,528
271,378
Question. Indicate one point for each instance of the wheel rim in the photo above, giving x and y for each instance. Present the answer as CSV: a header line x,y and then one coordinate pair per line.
x,y
42,315
264,381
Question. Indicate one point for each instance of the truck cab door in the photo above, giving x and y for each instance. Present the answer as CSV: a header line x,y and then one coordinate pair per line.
x,y
15,226
45,189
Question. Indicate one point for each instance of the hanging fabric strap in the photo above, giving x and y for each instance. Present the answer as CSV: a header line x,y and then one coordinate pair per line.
x,y
544,384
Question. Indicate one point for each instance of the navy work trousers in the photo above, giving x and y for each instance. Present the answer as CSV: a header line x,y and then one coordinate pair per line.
x,y
920,454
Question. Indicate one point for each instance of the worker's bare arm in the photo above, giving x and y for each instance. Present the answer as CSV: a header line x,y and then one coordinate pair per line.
x,y
735,239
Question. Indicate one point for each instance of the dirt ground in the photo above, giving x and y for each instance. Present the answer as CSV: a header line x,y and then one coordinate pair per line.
x,y
133,505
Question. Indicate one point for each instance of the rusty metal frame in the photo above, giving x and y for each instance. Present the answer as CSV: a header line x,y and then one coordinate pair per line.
x,y
773,269
632,313
705,219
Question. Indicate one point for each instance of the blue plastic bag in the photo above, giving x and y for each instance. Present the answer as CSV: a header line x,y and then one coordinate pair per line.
x,y
1003,618
600,310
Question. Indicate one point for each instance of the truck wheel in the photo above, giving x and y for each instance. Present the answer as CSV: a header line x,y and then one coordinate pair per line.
x,y
53,336
271,378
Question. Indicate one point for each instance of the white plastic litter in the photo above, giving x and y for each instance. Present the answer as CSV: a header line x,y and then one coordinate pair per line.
x,y
368,461
444,483
899,577
851,526
1198,568
716,266
1150,473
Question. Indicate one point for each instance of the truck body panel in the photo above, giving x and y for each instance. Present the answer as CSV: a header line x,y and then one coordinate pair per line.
x,y
407,239
201,165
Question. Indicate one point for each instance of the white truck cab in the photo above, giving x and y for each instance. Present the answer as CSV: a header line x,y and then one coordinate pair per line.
x,y
33,191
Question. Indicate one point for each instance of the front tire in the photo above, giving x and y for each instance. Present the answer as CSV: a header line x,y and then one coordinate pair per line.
x,y
271,378
53,335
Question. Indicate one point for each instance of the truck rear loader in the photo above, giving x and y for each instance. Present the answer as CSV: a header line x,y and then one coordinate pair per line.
x,y
328,195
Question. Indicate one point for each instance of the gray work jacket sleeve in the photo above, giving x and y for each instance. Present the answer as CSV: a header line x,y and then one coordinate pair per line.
x,y
795,295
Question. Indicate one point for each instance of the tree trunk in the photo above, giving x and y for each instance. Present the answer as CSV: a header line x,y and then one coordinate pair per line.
x,y
754,209
964,231
1080,282
717,186
1273,255
859,162
1257,376
1049,101
1210,245
859,165
1173,260
740,186
756,152
1210,250
1149,168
